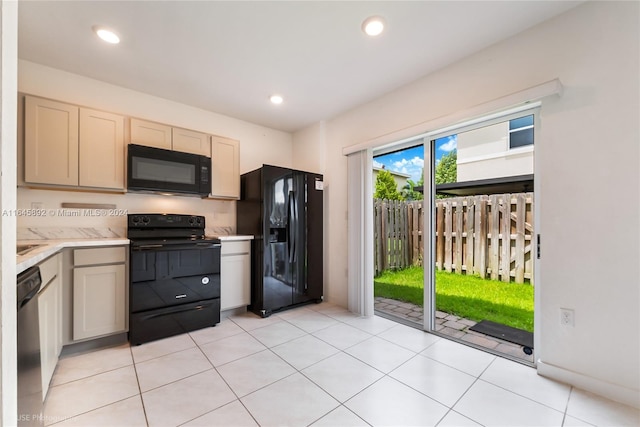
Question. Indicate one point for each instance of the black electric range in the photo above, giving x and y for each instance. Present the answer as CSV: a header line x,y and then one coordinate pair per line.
x,y
174,276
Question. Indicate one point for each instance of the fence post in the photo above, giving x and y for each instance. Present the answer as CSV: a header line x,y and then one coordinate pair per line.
x,y
459,231
505,253
439,235
448,244
481,241
494,256
520,221
470,252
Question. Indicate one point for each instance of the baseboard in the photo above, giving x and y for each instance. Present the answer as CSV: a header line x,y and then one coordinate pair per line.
x,y
605,389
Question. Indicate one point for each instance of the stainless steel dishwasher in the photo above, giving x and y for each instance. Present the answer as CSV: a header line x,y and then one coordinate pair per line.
x,y
28,343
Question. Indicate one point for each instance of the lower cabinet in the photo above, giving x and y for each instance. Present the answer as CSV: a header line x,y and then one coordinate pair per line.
x,y
50,319
235,274
99,292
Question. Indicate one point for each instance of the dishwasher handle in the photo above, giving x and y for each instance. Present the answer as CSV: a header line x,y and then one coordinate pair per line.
x,y
28,298
28,285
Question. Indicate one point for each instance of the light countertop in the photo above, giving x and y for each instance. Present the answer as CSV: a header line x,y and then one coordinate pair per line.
x,y
51,247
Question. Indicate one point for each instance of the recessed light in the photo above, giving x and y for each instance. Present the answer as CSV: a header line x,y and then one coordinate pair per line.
x,y
373,26
106,34
276,99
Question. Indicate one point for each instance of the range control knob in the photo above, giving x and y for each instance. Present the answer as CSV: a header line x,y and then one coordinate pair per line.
x,y
135,219
199,220
145,219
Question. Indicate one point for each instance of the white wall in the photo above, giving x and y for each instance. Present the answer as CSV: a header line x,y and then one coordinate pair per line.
x,y
258,145
308,149
587,163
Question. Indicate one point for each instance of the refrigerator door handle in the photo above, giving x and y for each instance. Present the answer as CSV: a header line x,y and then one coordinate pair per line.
x,y
289,233
292,226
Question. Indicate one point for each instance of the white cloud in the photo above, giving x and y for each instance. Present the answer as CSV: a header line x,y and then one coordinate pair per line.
x,y
450,145
415,162
412,167
377,164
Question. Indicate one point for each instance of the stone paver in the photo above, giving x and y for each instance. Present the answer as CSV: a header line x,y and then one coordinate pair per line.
x,y
450,325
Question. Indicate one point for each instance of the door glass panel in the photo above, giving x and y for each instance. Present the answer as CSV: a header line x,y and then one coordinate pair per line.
x,y
482,237
398,180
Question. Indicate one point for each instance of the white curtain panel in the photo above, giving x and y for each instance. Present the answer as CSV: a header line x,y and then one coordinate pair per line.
x,y
360,232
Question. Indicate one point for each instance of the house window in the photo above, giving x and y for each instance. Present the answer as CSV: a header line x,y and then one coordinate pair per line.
x,y
521,132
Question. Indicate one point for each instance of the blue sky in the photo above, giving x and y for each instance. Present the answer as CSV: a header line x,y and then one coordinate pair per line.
x,y
411,160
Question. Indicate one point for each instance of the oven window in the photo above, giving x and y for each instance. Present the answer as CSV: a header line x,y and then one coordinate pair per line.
x,y
162,171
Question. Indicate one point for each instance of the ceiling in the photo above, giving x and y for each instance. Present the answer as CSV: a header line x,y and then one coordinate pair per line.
x,y
229,57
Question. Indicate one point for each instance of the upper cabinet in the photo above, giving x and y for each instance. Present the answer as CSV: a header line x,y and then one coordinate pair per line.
x,y
191,142
225,168
72,146
51,142
150,134
101,149
162,136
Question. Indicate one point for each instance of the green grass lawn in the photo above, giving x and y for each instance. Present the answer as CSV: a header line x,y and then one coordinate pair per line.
x,y
470,297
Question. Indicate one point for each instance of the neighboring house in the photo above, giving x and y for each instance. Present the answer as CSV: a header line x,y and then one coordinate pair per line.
x,y
399,177
500,150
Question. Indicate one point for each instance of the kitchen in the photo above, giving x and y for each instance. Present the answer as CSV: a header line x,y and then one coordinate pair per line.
x,y
258,145
57,223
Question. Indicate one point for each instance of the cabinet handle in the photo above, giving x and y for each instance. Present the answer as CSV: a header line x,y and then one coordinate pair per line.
x,y
181,296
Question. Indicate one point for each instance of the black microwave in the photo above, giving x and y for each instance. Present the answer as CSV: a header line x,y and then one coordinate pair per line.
x,y
166,171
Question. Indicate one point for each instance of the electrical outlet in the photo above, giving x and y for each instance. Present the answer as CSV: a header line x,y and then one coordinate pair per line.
x,y
566,317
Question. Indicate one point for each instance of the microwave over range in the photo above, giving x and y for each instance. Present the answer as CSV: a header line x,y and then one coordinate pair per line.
x,y
166,171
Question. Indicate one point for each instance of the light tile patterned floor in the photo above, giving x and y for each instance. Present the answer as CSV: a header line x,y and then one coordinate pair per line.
x,y
316,365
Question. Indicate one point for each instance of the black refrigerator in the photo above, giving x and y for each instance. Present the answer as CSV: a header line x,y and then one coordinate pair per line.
x,y
282,209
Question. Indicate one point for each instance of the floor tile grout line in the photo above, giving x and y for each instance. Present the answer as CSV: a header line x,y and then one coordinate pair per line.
x,y
566,413
299,371
230,388
407,348
523,396
88,376
177,380
95,409
450,366
139,394
166,355
162,355
496,359
135,369
216,339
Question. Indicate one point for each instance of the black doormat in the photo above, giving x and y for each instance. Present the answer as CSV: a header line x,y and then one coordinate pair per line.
x,y
507,333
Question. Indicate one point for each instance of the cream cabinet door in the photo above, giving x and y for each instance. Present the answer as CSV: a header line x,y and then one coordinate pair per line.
x,y
99,301
189,141
225,168
51,142
50,323
235,275
101,149
150,134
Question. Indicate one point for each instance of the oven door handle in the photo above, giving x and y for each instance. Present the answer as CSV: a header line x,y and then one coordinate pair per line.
x,y
176,309
160,247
